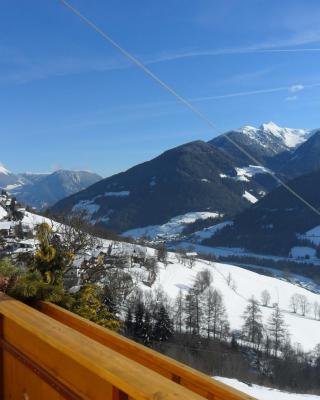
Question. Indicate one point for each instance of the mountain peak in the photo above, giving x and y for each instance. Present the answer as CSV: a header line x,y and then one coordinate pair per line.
x,y
271,127
4,170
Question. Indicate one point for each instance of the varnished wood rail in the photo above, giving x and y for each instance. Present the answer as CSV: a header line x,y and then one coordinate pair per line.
x,y
44,359
195,381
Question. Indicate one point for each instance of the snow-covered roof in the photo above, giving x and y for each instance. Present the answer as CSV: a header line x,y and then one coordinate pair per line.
x,y
5,225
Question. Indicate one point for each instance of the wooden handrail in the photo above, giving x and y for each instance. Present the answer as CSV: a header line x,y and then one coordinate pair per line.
x,y
42,358
195,381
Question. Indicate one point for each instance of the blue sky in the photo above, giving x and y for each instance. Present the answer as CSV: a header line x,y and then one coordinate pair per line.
x,y
69,100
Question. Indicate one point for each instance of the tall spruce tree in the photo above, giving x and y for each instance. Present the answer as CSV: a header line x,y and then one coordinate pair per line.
x,y
163,328
138,320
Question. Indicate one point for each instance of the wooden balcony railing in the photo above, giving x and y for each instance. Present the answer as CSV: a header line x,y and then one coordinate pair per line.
x,y
52,354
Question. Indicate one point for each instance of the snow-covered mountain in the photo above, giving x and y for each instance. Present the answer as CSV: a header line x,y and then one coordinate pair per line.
x,y
8,179
43,190
263,143
195,177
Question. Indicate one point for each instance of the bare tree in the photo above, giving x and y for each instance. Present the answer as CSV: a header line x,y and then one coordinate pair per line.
x,y
162,254
265,298
304,305
178,314
252,327
203,280
294,302
316,310
75,234
276,329
214,314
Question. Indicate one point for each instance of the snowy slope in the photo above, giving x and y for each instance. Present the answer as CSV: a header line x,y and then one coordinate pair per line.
x,y
264,393
245,284
208,232
173,227
3,213
313,235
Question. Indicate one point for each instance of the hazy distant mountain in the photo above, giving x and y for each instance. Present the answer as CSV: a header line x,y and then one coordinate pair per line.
x,y
43,190
7,178
192,177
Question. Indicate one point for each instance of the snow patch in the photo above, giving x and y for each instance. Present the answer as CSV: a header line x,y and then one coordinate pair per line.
x,y
303,252
313,235
264,393
86,205
250,197
207,233
3,213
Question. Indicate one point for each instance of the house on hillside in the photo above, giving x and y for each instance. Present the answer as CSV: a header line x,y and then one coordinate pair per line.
x,y
5,228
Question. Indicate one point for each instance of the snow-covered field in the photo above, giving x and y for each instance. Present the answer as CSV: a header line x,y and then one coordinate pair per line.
x,y
236,251
264,393
173,227
313,235
245,284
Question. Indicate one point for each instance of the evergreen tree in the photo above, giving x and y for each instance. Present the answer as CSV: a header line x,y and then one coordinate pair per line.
x,y
138,320
88,304
163,328
129,322
147,330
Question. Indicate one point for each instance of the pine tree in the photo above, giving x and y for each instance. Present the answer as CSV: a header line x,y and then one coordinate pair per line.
x,y
252,328
163,328
147,330
138,320
129,322
88,305
277,329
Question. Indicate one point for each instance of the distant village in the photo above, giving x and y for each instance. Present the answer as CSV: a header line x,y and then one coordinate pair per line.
x,y
16,234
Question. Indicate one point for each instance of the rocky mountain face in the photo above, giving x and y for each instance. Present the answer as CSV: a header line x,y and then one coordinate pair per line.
x,y
43,190
193,177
